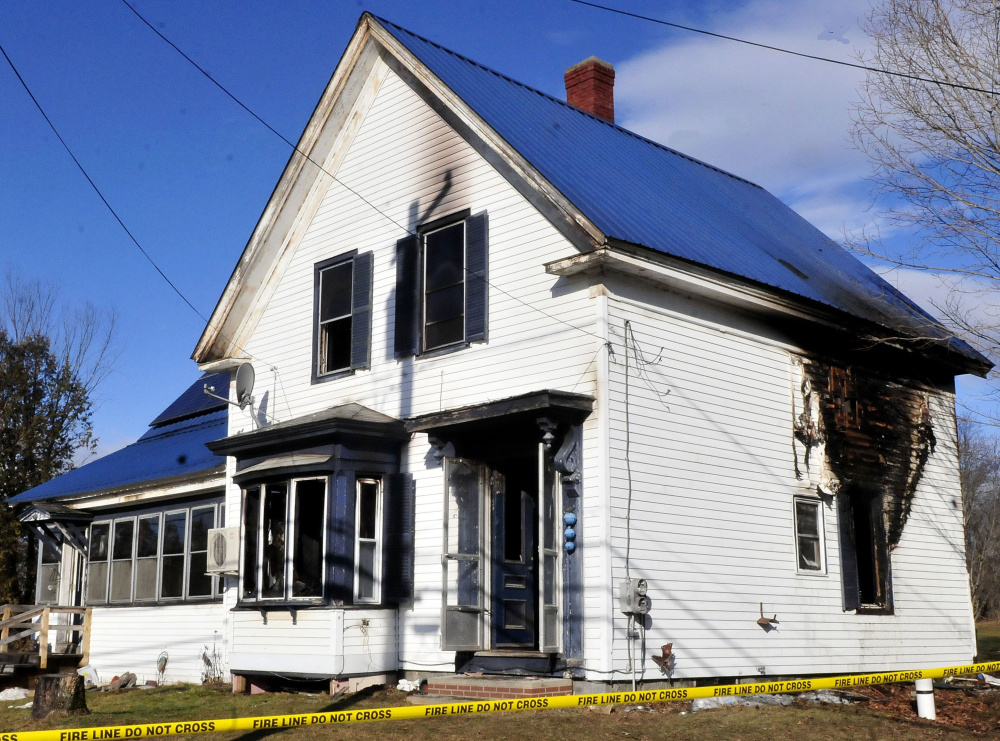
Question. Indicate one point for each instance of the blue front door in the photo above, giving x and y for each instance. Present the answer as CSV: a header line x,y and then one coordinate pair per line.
x,y
515,579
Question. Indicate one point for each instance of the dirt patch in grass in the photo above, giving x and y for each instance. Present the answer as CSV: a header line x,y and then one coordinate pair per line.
x,y
970,708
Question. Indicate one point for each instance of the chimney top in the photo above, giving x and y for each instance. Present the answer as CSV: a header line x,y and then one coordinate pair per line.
x,y
590,87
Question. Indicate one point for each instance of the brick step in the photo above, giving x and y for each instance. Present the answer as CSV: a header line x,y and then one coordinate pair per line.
x,y
497,688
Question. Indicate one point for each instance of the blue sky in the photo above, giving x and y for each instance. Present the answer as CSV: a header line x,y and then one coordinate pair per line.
x,y
190,172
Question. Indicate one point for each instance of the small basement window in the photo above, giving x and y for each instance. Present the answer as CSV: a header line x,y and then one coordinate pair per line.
x,y
809,535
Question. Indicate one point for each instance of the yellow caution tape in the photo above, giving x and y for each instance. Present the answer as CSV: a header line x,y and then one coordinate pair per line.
x,y
365,715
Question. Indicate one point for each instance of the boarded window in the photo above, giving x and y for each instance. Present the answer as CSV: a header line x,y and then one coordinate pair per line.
x,y
808,534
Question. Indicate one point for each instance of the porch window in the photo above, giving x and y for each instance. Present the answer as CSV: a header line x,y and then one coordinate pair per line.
x,y
152,556
342,334
809,535
49,562
368,552
284,535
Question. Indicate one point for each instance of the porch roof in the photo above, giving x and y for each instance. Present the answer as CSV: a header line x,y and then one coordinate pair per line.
x,y
560,403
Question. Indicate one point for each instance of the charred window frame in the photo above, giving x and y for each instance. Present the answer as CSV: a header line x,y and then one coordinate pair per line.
x,y
342,312
810,547
284,541
864,551
442,286
151,556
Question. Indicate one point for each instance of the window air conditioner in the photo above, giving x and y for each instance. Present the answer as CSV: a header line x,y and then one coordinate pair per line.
x,y
224,551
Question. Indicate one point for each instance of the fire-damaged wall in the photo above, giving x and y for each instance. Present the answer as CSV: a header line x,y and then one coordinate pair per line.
x,y
858,430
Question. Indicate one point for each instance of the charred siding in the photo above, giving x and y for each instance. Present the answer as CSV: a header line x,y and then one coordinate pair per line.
x,y
877,433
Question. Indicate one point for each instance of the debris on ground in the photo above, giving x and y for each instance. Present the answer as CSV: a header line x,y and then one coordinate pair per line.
x,y
14,693
408,685
124,682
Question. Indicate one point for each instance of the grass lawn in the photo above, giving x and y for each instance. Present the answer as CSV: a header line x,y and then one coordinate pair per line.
x,y
988,641
960,716
799,721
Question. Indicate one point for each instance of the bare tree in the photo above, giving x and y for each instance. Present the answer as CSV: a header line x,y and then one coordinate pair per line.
x,y
980,469
50,364
935,148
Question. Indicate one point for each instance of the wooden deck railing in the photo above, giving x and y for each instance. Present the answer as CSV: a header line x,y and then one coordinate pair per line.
x,y
24,621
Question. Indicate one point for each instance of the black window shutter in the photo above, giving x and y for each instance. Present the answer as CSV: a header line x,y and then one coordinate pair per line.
x,y
397,549
361,311
340,548
848,558
476,287
407,298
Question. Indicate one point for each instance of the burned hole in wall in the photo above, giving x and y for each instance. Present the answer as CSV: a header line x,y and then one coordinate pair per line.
x,y
873,435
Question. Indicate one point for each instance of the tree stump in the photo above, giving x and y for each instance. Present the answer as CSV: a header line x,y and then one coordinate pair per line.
x,y
59,693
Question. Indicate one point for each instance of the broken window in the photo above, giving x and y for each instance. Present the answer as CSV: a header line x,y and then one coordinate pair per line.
x,y
284,526
444,286
367,559
864,550
441,285
809,534
343,314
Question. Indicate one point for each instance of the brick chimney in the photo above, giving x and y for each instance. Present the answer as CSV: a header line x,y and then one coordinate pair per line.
x,y
590,86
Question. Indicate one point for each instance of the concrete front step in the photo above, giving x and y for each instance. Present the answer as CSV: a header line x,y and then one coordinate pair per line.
x,y
497,688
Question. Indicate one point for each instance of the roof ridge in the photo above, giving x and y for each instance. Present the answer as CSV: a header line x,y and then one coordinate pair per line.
x,y
616,127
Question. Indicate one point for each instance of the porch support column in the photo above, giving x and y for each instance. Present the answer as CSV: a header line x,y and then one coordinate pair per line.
x,y
568,463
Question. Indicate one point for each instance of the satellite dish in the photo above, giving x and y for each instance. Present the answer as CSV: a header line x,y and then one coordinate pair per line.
x,y
244,385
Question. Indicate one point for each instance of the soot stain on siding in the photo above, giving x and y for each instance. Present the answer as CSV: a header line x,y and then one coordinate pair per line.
x,y
877,433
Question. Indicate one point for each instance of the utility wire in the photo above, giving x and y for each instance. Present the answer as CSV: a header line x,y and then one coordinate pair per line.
x,y
274,131
759,45
94,185
114,213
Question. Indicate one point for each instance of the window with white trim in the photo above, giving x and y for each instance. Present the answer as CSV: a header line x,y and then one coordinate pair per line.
x,y
284,540
368,543
809,546
152,556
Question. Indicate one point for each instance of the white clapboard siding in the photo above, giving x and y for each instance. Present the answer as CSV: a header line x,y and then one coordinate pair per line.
x,y
327,642
397,161
131,639
710,461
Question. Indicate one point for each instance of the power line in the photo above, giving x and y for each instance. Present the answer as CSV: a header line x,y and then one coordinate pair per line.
x,y
274,131
759,45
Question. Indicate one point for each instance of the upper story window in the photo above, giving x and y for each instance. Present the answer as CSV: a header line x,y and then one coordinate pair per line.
x,y
441,285
342,315
284,537
864,550
152,556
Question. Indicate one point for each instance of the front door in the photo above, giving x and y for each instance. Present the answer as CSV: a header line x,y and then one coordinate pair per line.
x,y
514,556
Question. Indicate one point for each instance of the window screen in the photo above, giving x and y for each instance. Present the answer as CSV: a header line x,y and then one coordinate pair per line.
x,y
200,583
147,553
121,560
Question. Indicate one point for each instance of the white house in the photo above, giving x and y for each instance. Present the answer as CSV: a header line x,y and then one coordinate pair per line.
x,y
515,355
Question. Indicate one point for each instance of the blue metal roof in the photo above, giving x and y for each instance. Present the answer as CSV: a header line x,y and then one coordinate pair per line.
x,y
194,401
638,191
165,452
